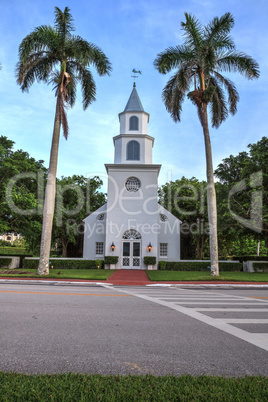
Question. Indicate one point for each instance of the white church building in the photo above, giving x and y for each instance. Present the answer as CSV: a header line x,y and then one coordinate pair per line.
x,y
132,225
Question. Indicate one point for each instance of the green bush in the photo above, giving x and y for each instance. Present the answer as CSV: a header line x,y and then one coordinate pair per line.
x,y
110,259
62,264
162,265
201,266
260,266
4,243
149,260
5,262
15,251
250,258
99,264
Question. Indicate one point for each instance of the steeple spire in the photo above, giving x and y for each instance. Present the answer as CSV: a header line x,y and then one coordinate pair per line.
x,y
134,104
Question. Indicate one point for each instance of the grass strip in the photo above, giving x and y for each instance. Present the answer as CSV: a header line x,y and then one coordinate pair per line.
x,y
84,387
205,276
104,274
89,274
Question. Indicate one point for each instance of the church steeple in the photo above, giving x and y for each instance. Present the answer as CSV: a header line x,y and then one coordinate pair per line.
x,y
133,145
134,104
134,120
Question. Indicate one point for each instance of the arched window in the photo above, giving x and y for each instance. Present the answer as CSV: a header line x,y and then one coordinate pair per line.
x,y
133,123
133,151
131,234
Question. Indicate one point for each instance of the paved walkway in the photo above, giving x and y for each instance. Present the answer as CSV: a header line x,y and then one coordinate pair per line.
x,y
135,277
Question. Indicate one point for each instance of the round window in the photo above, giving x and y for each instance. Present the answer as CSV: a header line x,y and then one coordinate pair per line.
x,y
163,217
133,184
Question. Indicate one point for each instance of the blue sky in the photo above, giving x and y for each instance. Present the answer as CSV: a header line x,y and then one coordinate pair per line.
x,y
131,34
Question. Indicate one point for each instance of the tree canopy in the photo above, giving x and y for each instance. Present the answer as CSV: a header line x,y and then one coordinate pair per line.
x,y
19,191
54,55
207,51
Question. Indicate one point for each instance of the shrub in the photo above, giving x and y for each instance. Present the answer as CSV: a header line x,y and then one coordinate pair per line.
x,y
62,264
4,243
250,258
258,266
149,260
201,266
110,259
14,251
5,262
99,264
16,254
162,265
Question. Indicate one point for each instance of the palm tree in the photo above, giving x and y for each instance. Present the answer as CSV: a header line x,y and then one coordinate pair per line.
x,y
207,51
55,55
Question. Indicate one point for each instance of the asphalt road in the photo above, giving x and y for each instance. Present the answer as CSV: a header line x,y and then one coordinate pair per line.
x,y
138,330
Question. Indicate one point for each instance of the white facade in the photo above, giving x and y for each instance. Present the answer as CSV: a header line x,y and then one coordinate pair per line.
x,y
132,219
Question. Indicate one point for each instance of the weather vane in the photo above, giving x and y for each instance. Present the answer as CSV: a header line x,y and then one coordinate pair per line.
x,y
135,76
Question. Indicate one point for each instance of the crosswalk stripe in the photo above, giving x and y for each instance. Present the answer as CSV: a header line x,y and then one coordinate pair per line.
x,y
260,339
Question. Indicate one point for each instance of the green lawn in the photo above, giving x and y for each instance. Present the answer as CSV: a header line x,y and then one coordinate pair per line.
x,y
103,274
90,274
83,387
205,276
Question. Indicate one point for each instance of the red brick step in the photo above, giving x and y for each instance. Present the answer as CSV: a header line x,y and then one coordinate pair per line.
x,y
129,276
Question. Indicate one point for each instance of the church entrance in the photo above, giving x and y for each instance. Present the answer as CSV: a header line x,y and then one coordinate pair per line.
x,y
131,250
131,254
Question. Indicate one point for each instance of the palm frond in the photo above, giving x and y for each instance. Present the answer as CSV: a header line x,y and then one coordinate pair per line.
x,y
206,60
88,85
173,57
42,39
217,32
64,22
90,54
55,56
233,95
218,108
174,93
193,32
35,69
88,88
71,86
234,61
63,116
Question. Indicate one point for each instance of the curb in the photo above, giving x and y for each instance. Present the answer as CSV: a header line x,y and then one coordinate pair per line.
x,y
34,281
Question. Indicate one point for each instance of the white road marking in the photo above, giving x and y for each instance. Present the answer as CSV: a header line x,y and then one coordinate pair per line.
x,y
236,302
244,320
259,340
239,310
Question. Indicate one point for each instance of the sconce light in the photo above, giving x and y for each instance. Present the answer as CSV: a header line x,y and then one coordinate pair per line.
x,y
149,247
112,246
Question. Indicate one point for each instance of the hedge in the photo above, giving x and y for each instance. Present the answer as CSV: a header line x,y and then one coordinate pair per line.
x,y
14,251
243,258
5,262
149,260
260,266
197,266
63,264
110,259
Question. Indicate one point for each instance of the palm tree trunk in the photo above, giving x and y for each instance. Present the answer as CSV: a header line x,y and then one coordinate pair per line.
x,y
211,198
49,205
64,243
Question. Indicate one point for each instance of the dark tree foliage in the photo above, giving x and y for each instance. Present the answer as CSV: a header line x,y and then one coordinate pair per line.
x,y
20,210
246,176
